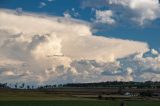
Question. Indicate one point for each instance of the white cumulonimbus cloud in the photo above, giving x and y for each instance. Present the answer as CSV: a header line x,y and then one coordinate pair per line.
x,y
41,49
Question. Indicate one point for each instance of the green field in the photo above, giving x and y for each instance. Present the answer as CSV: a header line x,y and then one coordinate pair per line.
x,y
36,98
77,103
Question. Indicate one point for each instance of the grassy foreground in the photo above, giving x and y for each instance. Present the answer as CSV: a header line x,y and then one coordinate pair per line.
x,y
77,103
34,98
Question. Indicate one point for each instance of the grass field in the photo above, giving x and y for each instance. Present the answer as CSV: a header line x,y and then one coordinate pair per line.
x,y
32,98
77,103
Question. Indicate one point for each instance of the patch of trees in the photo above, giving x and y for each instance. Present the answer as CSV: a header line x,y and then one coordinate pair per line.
x,y
116,84
146,93
3,85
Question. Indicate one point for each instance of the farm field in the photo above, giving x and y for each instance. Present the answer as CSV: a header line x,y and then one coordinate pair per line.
x,y
77,103
32,98
72,97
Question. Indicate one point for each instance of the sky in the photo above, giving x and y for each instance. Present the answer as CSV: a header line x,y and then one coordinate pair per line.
x,y
67,41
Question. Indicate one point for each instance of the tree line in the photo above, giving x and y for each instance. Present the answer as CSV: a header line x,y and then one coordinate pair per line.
x,y
108,84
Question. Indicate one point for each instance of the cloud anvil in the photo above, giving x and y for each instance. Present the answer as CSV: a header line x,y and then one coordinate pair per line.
x,y
37,48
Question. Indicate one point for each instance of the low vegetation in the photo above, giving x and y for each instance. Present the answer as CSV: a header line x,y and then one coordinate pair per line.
x,y
87,94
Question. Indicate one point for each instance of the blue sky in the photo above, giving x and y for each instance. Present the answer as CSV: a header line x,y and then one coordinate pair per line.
x,y
149,33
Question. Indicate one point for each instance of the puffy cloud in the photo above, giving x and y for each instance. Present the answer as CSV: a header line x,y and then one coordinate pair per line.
x,y
135,68
71,13
74,12
138,11
155,52
105,17
67,15
43,49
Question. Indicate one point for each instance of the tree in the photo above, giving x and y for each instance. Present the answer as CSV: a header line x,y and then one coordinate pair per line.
x,y
28,87
16,85
23,84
